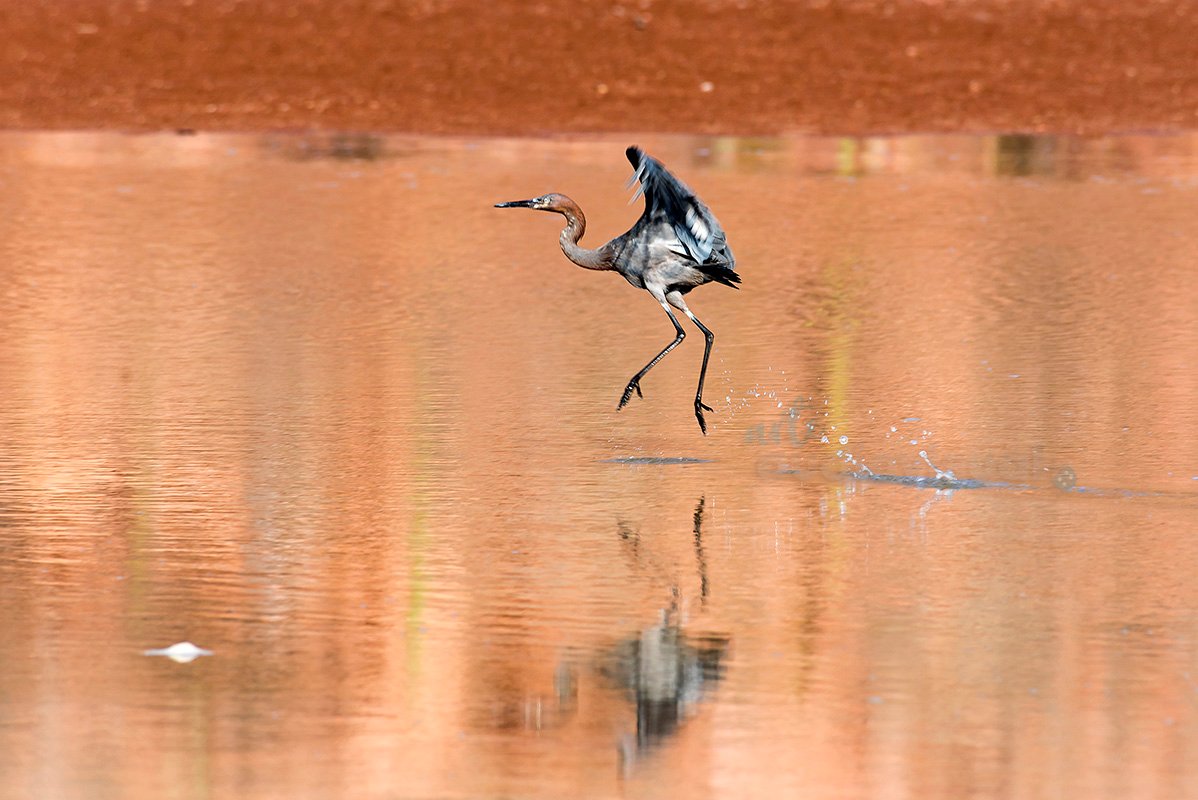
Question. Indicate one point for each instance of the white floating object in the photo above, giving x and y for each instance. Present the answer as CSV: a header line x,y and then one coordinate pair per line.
x,y
180,653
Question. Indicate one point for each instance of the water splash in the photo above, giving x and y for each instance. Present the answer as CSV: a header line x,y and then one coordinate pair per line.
x,y
810,419
941,474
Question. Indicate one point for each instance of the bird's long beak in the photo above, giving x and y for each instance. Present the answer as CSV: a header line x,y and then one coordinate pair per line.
x,y
515,204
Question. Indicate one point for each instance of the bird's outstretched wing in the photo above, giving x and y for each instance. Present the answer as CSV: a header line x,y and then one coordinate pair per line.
x,y
667,199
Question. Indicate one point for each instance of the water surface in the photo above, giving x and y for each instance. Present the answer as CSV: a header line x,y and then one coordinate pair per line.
x,y
317,407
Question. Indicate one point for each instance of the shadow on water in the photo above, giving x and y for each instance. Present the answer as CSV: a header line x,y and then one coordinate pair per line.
x,y
1019,155
656,460
1064,480
335,147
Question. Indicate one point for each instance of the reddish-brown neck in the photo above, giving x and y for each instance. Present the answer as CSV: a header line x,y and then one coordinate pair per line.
x,y
576,225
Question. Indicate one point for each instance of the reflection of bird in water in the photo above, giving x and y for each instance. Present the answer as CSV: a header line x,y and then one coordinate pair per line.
x,y
518,708
631,538
666,674
676,245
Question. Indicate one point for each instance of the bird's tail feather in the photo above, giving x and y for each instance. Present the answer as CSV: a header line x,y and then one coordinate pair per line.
x,y
720,272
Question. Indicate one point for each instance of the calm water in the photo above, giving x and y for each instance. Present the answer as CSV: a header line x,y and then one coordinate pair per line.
x,y
314,405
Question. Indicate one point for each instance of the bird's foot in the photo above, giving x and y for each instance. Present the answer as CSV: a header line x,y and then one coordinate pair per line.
x,y
633,385
700,407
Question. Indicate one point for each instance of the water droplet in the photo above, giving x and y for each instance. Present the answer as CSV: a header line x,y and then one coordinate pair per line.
x,y
844,440
1065,479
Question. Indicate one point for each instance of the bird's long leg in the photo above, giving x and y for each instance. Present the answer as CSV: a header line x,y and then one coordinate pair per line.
x,y
635,383
677,302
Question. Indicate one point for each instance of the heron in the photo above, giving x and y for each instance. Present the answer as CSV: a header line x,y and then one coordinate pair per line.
x,y
676,245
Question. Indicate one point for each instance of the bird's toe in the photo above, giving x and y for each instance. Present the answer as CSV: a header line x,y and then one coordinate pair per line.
x,y
700,407
628,390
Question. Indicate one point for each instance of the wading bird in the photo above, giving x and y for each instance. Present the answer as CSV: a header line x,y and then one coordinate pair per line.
x,y
676,245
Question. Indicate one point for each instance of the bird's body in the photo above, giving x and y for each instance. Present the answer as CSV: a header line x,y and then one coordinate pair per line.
x,y
676,245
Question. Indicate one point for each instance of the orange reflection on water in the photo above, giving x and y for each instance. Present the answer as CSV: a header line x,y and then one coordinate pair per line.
x,y
321,409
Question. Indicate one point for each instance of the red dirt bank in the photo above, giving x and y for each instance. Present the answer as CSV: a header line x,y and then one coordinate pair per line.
x,y
515,67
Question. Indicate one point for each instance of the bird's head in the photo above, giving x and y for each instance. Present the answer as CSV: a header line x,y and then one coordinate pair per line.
x,y
546,202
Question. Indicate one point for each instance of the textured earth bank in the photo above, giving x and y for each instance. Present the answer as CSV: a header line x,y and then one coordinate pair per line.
x,y
710,66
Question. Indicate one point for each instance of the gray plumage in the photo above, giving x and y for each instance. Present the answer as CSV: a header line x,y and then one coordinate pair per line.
x,y
676,245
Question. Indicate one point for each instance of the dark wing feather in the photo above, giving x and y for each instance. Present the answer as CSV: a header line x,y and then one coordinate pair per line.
x,y
667,199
